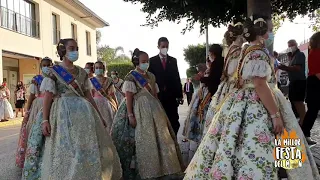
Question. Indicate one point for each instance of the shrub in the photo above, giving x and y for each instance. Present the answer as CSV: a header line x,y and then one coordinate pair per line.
x,y
122,68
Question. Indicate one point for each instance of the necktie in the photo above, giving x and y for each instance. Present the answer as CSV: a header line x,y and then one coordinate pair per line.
x,y
164,63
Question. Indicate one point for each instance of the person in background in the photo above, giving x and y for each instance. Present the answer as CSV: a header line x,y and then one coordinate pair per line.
x,y
297,78
313,87
188,90
194,123
165,68
6,111
89,69
20,98
216,68
117,82
104,94
142,133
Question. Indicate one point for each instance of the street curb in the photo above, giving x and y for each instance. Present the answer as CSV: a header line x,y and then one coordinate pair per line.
x,y
11,122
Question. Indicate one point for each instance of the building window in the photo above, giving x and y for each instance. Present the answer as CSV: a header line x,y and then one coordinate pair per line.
x,y
55,29
88,43
74,31
19,16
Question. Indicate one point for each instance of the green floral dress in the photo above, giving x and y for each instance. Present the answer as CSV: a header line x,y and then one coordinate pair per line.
x,y
239,143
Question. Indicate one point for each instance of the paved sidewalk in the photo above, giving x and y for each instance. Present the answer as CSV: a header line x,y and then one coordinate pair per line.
x,y
12,122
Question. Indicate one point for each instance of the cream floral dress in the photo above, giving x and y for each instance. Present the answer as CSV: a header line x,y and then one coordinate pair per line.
x,y
79,147
240,143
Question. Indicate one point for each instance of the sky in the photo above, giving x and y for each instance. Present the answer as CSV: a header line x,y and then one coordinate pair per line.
x,y
125,30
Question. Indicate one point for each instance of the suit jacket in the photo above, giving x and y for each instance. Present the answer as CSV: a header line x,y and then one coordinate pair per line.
x,y
191,89
168,79
214,78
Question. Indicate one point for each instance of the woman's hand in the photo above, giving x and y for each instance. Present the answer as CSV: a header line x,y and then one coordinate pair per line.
x,y
132,121
46,129
277,125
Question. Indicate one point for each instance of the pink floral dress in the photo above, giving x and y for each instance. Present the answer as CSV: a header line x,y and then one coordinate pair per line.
x,y
240,142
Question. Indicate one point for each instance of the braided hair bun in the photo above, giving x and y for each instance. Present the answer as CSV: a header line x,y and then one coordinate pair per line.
x,y
235,29
257,26
135,57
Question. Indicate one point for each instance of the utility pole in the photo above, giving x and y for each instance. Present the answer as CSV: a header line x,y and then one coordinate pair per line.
x,y
207,41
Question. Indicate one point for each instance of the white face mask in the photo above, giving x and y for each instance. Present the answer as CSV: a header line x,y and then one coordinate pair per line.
x,y
164,51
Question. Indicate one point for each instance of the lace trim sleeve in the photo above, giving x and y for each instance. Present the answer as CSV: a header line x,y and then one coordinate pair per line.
x,y
257,66
129,86
49,85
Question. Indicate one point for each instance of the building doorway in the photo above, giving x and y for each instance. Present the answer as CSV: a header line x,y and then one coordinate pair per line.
x,y
10,75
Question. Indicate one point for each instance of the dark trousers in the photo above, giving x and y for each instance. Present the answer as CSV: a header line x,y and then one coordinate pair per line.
x,y
313,104
189,97
170,105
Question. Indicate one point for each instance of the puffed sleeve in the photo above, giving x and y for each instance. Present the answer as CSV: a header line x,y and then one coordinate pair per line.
x,y
49,85
257,64
129,86
33,89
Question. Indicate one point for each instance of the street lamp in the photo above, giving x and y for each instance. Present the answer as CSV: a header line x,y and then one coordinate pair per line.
x,y
207,41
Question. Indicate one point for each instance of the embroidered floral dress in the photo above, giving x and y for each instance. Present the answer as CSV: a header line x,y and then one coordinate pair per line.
x,y
227,84
79,147
199,105
118,87
240,142
150,150
106,105
26,126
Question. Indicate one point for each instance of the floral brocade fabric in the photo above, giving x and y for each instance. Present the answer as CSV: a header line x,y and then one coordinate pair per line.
x,y
239,143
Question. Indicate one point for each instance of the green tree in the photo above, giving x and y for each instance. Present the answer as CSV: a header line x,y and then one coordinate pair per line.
x,y
277,21
219,12
315,18
194,55
112,55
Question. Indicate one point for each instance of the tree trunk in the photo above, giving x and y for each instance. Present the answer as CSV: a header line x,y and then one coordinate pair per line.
x,y
260,7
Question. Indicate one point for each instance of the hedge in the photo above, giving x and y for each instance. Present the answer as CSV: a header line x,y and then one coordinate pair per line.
x,y
122,68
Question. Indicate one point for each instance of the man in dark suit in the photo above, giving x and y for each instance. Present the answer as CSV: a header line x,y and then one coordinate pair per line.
x,y
188,90
165,68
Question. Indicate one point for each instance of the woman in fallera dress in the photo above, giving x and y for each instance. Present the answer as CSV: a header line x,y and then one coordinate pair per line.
x,y
142,132
118,85
34,105
104,94
193,126
228,80
77,145
89,69
35,138
6,111
240,141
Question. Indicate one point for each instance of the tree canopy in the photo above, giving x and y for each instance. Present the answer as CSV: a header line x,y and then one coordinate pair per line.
x,y
194,55
112,55
215,12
